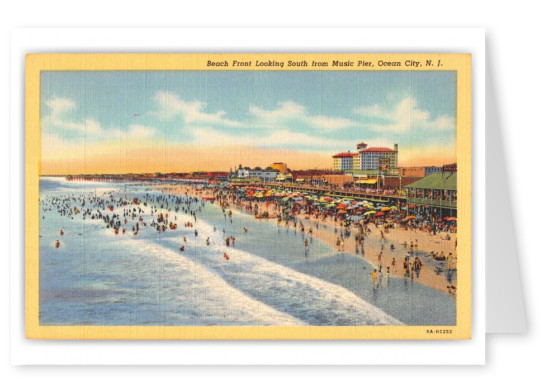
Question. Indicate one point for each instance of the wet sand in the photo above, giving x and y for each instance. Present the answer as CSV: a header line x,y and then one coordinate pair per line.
x,y
433,273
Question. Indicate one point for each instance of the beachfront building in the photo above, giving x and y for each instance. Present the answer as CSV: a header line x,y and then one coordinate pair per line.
x,y
343,161
418,172
433,170
280,166
382,159
284,177
434,195
266,175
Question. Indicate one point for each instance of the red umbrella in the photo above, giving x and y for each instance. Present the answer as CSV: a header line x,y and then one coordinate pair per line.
x,y
342,206
379,214
411,206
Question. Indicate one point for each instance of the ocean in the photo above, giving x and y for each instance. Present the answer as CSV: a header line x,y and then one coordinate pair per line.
x,y
96,277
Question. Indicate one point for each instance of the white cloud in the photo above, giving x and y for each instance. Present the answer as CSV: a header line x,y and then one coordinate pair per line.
x,y
170,105
405,116
292,111
58,122
141,131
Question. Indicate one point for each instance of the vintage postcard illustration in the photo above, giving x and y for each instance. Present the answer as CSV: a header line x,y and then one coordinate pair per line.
x,y
248,196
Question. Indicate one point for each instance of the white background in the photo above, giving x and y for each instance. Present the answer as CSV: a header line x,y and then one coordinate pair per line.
x,y
518,55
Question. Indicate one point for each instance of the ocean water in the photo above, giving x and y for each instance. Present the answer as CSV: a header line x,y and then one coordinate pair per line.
x,y
98,278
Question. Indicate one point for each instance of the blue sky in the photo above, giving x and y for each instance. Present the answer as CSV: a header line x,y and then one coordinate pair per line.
x,y
308,111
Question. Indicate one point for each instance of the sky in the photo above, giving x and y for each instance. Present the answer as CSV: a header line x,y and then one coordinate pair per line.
x,y
184,121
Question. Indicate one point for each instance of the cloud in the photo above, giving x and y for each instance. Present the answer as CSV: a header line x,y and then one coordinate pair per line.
x,y
141,131
58,121
171,105
288,111
405,116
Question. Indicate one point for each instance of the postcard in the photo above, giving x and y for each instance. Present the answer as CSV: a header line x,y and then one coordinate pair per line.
x,y
248,196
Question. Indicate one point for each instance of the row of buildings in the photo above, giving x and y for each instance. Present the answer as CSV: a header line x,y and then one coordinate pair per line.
x,y
383,161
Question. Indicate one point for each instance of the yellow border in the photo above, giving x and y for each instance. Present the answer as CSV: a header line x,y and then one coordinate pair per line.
x,y
35,63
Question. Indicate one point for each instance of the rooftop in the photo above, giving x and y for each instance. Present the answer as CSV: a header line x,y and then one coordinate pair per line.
x,y
377,150
445,181
345,154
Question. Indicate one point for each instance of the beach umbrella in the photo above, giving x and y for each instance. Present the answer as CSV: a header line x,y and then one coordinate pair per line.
x,y
328,199
341,211
356,218
379,214
385,209
342,205
451,218
369,212
393,207
410,217
411,206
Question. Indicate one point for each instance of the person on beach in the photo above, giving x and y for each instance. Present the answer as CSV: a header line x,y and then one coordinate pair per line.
x,y
207,242
449,260
374,278
61,232
228,241
393,264
306,247
57,244
182,249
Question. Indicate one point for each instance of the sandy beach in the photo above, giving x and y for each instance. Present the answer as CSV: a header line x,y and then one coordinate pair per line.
x,y
433,273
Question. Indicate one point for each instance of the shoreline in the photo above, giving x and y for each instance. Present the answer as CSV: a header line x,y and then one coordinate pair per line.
x,y
433,273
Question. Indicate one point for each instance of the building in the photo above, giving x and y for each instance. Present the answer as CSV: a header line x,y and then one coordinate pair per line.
x,y
435,194
266,175
333,180
432,170
343,161
281,167
361,146
381,159
418,172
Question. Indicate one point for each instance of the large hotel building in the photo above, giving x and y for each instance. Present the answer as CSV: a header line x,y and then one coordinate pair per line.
x,y
383,159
